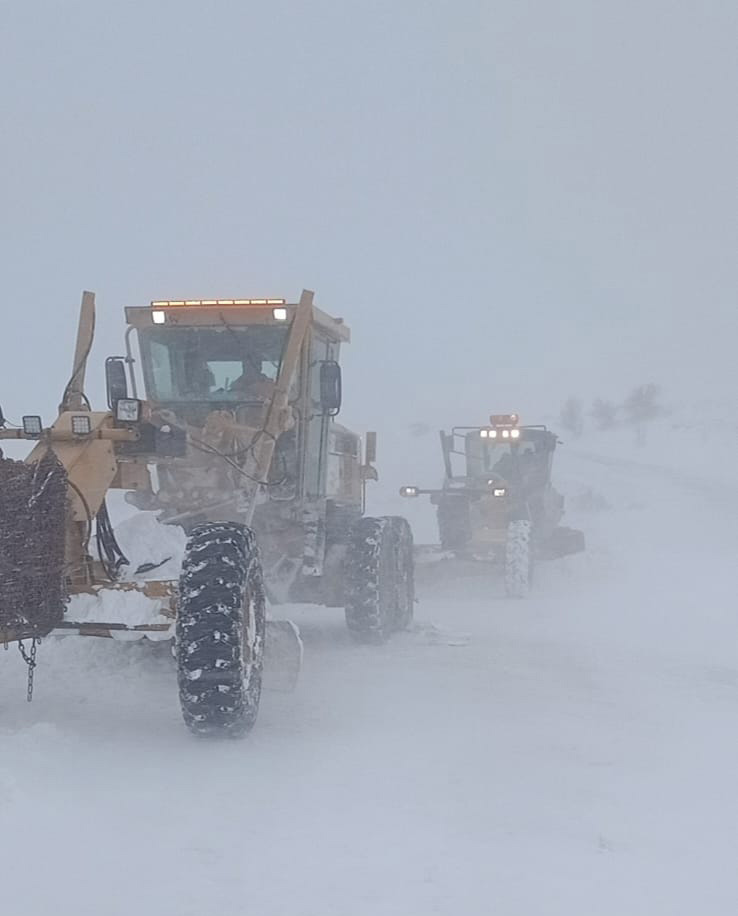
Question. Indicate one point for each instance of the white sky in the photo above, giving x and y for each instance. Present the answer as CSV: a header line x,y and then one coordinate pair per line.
x,y
508,202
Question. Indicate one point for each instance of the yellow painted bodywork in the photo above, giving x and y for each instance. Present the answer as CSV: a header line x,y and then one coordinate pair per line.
x,y
89,462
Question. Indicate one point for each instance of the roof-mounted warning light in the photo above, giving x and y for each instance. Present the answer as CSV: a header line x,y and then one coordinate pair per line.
x,y
503,426
183,303
504,419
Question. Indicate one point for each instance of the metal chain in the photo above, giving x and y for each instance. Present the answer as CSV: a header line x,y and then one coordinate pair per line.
x,y
30,660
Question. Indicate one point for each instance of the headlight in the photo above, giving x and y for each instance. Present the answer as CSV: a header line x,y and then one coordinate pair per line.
x,y
409,491
484,433
128,410
505,433
159,317
81,425
32,426
499,491
514,433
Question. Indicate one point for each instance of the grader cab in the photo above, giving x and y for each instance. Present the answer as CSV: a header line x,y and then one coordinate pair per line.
x,y
223,423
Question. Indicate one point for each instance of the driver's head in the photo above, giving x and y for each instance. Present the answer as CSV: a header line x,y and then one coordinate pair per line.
x,y
250,372
199,377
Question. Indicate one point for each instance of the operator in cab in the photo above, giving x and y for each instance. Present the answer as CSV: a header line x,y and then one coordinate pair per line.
x,y
252,384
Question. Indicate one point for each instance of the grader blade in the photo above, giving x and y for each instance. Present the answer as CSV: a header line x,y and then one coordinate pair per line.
x,y
282,655
562,543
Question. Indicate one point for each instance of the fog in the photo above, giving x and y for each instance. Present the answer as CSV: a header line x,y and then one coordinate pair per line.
x,y
509,204
474,187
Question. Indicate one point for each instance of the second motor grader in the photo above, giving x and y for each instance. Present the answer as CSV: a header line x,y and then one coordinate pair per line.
x,y
497,504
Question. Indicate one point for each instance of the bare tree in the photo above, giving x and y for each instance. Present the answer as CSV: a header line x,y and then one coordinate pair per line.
x,y
572,416
604,413
641,407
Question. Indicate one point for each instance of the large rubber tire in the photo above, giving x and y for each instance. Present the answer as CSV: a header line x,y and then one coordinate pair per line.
x,y
518,559
380,589
221,623
405,571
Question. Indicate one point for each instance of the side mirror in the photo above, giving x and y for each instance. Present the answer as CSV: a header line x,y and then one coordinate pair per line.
x,y
3,421
371,448
116,380
330,387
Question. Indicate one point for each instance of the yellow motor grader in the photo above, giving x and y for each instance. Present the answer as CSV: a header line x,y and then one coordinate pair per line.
x,y
497,504
221,420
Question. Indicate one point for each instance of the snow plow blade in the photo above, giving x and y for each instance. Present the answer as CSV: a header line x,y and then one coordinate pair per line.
x,y
562,543
282,655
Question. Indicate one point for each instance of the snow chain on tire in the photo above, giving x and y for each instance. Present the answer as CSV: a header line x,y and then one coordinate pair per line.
x,y
518,558
380,591
221,622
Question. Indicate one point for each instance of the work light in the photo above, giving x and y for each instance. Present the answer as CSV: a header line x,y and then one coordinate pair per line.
x,y
128,410
32,426
81,425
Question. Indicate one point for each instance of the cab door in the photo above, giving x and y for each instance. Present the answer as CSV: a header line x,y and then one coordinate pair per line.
x,y
315,426
316,423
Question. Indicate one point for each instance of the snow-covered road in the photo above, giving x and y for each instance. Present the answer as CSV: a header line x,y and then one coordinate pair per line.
x,y
575,753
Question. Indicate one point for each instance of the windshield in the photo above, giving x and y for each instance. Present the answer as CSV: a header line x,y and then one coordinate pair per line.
x,y
501,459
212,364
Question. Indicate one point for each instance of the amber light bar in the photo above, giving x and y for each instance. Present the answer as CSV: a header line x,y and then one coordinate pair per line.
x,y
169,303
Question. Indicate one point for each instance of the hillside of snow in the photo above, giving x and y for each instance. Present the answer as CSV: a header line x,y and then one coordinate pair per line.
x,y
574,753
